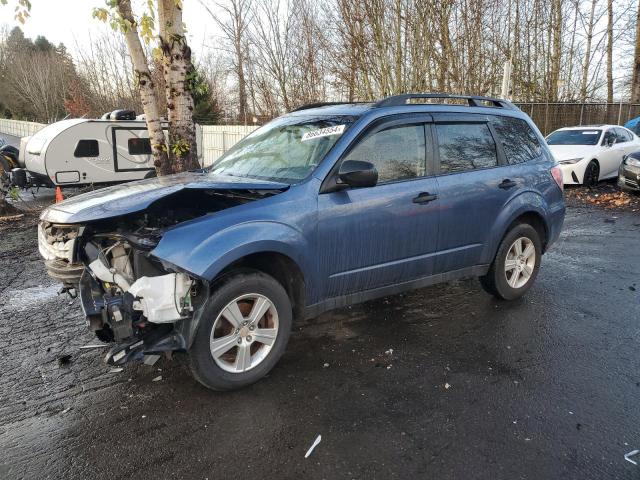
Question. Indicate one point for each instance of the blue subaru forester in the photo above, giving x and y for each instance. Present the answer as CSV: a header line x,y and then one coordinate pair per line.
x,y
329,205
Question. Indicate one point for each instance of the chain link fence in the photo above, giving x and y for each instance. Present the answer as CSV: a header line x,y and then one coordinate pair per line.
x,y
548,116
551,116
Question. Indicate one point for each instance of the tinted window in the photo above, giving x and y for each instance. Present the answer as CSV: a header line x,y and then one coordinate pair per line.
x,y
465,146
574,137
518,139
397,153
139,146
86,148
622,136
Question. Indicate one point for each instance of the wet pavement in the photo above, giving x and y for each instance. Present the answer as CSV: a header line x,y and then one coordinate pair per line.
x,y
444,382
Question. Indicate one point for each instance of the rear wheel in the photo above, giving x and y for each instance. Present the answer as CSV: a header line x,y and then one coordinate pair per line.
x,y
516,264
591,174
243,332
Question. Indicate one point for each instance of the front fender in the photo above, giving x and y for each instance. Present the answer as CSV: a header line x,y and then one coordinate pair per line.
x,y
205,255
528,201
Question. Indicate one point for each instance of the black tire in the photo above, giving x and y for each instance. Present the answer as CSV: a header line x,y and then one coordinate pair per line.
x,y
591,174
203,366
495,281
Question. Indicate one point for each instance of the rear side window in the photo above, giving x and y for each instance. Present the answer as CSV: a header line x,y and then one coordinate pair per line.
x,y
518,139
622,135
139,146
398,153
86,148
465,146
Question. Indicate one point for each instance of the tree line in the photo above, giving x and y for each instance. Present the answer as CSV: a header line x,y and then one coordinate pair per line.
x,y
269,56
44,82
283,53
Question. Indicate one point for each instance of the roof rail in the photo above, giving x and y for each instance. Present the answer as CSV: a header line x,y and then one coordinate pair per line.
x,y
472,100
321,104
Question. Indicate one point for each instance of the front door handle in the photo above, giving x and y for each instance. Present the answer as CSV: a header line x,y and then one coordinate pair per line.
x,y
506,184
424,197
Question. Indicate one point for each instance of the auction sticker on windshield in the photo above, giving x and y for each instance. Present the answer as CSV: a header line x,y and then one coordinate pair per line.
x,y
323,132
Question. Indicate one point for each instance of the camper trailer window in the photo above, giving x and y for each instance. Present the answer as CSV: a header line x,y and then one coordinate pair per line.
x,y
139,146
86,148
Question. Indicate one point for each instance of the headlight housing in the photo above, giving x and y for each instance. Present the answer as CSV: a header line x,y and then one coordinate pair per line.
x,y
634,162
571,161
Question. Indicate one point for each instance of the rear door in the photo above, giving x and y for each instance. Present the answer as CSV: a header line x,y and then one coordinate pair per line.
x,y
474,182
610,156
131,149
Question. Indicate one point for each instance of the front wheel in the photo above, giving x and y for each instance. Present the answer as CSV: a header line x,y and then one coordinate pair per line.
x,y
516,264
591,174
243,331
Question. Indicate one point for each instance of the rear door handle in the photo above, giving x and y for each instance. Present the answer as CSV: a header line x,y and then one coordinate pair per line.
x,y
424,197
507,184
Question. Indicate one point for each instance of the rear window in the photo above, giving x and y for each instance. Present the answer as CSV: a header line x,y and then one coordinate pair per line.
x,y
519,141
465,146
139,146
86,148
575,137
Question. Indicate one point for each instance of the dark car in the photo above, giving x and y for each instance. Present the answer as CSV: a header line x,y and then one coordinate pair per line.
x,y
324,207
629,173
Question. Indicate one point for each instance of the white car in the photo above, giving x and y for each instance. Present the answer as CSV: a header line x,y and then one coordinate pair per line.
x,y
591,153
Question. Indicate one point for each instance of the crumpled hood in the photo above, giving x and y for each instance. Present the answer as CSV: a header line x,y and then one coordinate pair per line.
x,y
568,152
137,196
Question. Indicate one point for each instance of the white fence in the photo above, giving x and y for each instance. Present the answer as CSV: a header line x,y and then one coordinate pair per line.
x,y
216,139
19,128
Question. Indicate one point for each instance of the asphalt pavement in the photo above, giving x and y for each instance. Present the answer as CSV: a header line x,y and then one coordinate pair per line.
x,y
444,382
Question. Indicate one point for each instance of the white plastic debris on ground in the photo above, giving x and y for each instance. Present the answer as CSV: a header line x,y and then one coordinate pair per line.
x,y
314,445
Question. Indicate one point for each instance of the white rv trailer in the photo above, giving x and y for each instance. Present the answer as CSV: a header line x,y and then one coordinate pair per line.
x,y
79,152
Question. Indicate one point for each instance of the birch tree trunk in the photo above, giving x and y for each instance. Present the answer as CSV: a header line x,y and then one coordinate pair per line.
x,y
587,54
635,81
146,88
610,51
178,69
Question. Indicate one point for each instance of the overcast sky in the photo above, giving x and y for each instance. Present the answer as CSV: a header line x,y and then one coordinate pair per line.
x,y
70,21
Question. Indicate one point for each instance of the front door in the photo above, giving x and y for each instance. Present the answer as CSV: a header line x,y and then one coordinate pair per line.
x,y
387,234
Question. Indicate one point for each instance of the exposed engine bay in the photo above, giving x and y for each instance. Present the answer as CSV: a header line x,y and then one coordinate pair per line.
x,y
129,296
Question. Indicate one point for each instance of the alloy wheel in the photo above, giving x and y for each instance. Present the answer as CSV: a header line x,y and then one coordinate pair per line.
x,y
244,333
520,262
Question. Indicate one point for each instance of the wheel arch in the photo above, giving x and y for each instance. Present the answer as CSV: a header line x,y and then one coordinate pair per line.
x,y
529,207
281,267
584,172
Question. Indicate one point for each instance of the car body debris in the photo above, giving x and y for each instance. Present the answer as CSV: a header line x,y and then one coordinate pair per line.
x,y
89,347
157,379
632,453
314,445
116,370
151,359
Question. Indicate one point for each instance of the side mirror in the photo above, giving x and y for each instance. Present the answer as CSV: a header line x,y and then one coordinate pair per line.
x,y
357,173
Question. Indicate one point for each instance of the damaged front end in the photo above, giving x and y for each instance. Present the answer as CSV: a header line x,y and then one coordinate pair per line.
x,y
129,296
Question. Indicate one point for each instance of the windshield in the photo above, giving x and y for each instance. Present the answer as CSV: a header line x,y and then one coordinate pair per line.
x,y
285,150
574,137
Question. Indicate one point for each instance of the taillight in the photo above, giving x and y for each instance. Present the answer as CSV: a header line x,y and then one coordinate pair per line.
x,y
556,173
